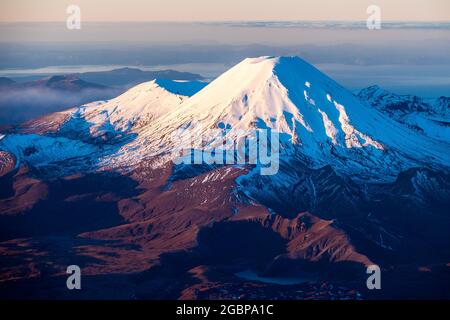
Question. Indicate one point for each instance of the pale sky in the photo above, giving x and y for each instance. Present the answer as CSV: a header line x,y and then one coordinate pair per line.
x,y
223,10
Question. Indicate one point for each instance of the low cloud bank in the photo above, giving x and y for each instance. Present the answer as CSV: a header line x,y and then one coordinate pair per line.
x,y
19,105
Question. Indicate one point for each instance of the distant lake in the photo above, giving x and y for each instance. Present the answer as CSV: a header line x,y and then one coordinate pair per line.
x,y
250,275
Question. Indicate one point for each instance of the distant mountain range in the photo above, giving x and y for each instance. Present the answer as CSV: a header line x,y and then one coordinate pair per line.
x,y
127,77
22,99
64,83
6,82
102,185
121,77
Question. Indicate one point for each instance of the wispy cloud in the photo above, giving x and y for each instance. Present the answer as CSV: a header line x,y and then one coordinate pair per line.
x,y
328,24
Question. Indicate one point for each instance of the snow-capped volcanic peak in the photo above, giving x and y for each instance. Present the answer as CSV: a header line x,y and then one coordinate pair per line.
x,y
133,109
78,131
129,112
325,122
285,94
318,121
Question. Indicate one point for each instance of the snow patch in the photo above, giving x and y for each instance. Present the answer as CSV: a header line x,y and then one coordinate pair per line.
x,y
330,129
41,150
351,134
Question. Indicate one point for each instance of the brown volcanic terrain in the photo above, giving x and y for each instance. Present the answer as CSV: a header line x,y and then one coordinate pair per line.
x,y
7,163
156,237
142,225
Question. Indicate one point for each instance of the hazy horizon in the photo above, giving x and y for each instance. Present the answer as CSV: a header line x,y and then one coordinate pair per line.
x,y
204,10
409,54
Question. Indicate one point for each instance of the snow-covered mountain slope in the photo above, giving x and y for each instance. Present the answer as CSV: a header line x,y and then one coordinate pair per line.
x,y
96,128
429,116
41,151
127,112
385,100
317,120
132,110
